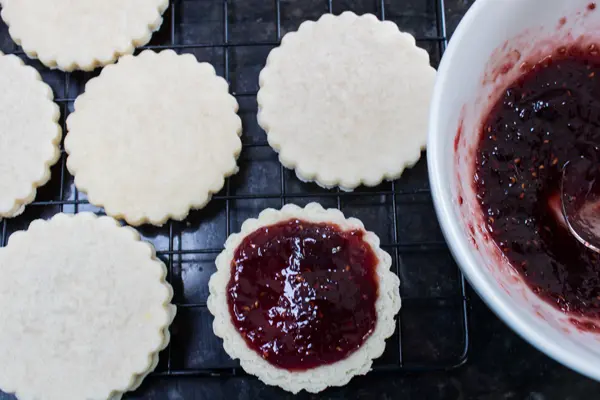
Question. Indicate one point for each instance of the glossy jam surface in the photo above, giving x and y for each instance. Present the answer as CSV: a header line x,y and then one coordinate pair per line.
x,y
547,117
303,294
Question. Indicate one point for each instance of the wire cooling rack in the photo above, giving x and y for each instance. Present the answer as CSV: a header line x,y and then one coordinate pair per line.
x,y
236,36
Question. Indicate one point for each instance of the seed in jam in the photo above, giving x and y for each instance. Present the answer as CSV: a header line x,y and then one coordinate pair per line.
x,y
547,117
303,294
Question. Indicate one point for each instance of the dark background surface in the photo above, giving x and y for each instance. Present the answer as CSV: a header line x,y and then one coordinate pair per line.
x,y
500,365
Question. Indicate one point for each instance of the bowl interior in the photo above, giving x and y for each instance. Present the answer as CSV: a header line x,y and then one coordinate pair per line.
x,y
494,39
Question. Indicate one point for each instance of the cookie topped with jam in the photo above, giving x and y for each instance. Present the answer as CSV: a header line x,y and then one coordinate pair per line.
x,y
304,297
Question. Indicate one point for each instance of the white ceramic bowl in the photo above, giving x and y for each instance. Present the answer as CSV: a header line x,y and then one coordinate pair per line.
x,y
492,41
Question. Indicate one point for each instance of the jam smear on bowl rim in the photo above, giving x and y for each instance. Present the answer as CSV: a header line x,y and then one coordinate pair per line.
x,y
303,294
546,117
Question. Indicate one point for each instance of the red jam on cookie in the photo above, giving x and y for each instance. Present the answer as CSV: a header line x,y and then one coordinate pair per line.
x,y
303,294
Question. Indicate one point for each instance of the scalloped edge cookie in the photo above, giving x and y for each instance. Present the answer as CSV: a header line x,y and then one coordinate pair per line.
x,y
344,100
40,44
16,379
137,169
26,89
316,379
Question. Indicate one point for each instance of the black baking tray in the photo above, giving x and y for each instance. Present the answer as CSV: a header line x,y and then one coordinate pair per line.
x,y
236,37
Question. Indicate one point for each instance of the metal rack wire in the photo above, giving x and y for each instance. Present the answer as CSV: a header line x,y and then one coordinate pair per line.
x,y
433,325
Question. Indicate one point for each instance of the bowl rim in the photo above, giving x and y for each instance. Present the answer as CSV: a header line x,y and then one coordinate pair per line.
x,y
520,321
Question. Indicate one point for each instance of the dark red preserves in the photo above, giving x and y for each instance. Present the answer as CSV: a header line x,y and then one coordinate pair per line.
x,y
547,117
303,294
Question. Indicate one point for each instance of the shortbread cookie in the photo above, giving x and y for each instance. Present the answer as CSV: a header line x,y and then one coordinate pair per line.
x,y
29,134
153,136
85,309
83,35
304,297
345,100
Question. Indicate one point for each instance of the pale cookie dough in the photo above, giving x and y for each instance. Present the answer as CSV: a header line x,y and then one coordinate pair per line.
x,y
316,379
85,309
82,34
29,134
153,136
345,100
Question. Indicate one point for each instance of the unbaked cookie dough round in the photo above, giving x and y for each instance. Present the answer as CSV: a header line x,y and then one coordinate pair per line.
x,y
29,134
85,309
345,100
81,34
304,297
153,136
